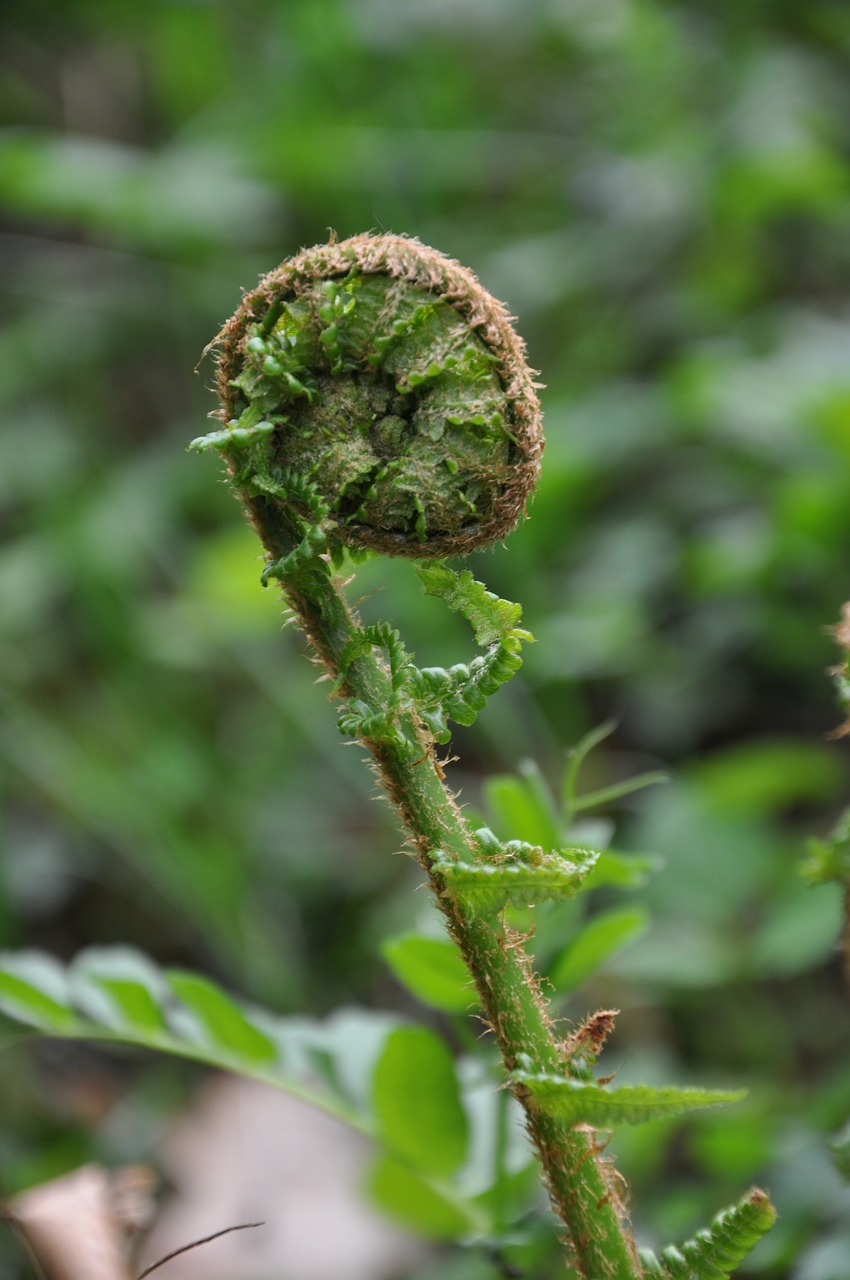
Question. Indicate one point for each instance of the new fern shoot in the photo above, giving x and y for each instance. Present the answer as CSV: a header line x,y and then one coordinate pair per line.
x,y
376,399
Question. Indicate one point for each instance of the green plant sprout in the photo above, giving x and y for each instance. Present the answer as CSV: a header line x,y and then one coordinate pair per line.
x,y
829,860
375,399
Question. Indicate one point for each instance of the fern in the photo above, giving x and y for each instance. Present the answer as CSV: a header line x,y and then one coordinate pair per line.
x,y
398,393
379,635
713,1254
460,692
515,879
594,1104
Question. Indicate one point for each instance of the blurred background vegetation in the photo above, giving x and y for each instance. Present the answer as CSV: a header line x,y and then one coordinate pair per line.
x,y
660,191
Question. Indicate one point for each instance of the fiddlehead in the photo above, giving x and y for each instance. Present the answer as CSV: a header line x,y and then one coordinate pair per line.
x,y
376,398
383,374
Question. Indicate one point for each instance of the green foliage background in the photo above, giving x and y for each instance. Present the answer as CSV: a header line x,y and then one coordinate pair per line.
x,y
661,193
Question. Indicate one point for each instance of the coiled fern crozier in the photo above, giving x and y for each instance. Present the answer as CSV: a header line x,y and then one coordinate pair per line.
x,y
376,399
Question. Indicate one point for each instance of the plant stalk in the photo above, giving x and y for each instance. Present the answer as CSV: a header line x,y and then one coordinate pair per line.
x,y
582,1185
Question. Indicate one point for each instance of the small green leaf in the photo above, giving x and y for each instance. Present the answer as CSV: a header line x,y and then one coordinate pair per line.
x,y
33,990
717,1251
618,790
219,1020
576,758
521,812
489,616
829,859
416,1204
601,938
417,1103
433,970
841,1152
764,775
594,1104
345,1046
623,870
120,988
116,994
651,1265
521,880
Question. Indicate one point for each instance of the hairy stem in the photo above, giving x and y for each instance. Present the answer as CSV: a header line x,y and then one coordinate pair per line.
x,y
582,1186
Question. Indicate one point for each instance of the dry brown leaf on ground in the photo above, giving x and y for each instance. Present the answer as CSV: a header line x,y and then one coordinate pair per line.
x,y
78,1225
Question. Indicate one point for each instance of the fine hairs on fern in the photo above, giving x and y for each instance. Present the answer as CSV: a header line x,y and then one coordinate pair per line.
x,y
376,399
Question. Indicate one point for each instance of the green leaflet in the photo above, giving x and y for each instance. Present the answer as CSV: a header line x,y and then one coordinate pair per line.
x,y
379,635
116,994
357,719
233,438
416,1101
519,879
460,692
218,1020
432,968
490,617
33,990
829,860
714,1253
600,938
523,806
594,1104
420,1206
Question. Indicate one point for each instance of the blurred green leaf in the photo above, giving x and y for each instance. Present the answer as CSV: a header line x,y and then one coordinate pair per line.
x,y
618,790
121,997
841,1152
432,969
220,1021
521,811
801,930
417,1104
623,870
417,1204
33,991
121,988
763,777
736,1144
604,935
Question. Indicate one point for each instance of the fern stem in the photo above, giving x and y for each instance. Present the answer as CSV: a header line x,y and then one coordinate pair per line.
x,y
582,1186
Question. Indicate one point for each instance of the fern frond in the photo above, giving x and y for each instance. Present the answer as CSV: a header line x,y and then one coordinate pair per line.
x,y
460,692
379,635
517,879
234,436
313,543
714,1253
490,617
594,1104
291,487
